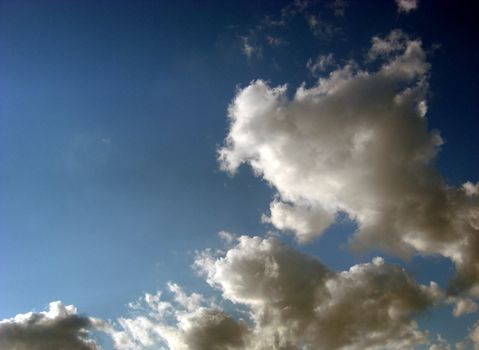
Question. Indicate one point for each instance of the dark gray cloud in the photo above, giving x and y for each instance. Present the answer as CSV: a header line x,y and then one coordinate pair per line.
x,y
60,328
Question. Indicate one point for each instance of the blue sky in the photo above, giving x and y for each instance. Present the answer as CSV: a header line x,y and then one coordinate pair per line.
x,y
112,114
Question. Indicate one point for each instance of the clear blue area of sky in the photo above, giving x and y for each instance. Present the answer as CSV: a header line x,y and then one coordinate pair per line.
x,y
111,113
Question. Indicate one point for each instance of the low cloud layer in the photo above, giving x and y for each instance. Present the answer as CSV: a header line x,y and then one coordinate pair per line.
x,y
272,297
287,301
296,301
58,328
358,143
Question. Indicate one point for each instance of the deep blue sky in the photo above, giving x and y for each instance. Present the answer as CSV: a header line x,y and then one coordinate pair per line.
x,y
111,113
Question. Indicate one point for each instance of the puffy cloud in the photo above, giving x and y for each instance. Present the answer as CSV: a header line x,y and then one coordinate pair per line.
x,y
407,5
58,328
462,306
393,43
296,302
188,322
358,143
289,301
305,221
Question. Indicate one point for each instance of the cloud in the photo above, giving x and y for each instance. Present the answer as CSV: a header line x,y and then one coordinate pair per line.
x,y
296,302
462,306
396,41
274,41
305,221
271,29
407,5
58,328
441,344
474,336
320,65
248,49
282,299
320,28
187,322
339,7
227,237
358,143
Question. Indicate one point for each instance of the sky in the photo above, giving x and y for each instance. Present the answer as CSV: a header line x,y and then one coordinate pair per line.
x,y
239,175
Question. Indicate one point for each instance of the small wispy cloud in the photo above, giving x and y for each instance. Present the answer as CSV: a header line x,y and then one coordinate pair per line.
x,y
339,7
407,6
321,64
265,33
247,47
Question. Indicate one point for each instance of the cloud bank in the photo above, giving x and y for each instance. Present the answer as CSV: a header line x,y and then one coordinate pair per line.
x,y
358,143
286,300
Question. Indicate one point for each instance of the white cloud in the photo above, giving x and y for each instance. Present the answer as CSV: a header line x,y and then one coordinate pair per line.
x,y
289,300
358,143
188,322
407,5
396,41
305,221
471,189
321,64
247,47
227,237
321,28
441,344
462,306
189,302
58,328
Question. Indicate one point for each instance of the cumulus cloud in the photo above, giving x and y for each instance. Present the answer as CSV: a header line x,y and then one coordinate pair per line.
x,y
306,221
407,5
296,302
281,299
58,328
186,322
462,306
358,143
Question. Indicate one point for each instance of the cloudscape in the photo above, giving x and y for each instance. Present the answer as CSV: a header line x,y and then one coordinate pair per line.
x,y
239,175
